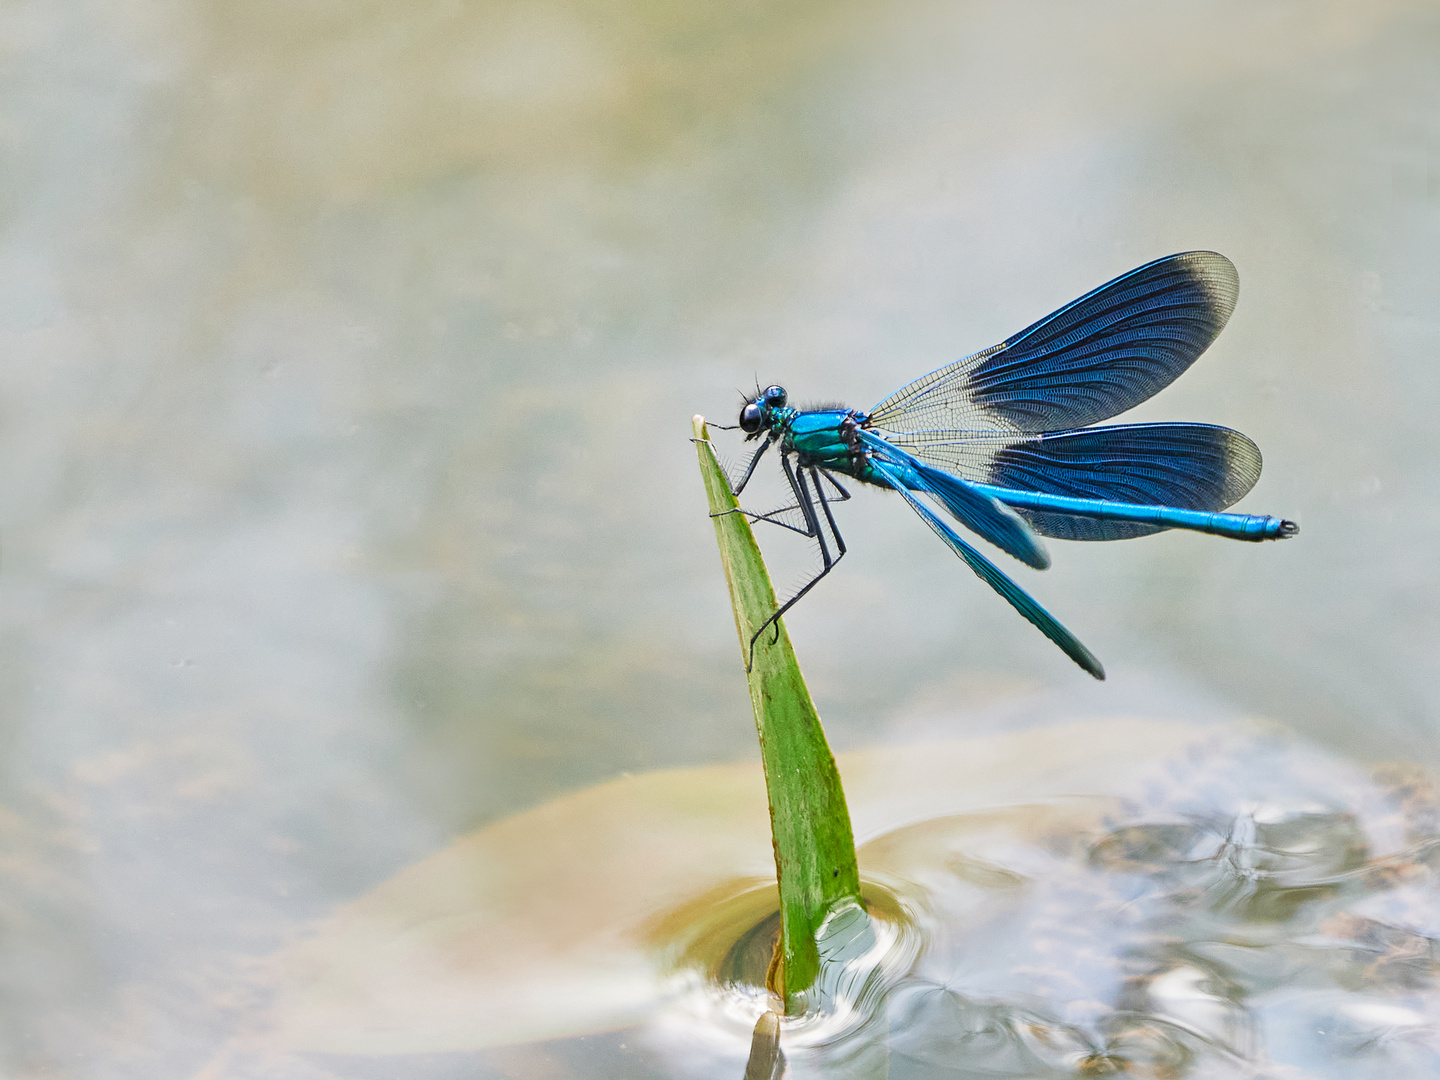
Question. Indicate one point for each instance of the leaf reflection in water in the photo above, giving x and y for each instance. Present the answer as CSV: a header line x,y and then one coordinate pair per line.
x,y
1103,897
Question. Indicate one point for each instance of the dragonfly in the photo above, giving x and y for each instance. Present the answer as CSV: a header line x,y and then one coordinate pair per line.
x,y
1003,440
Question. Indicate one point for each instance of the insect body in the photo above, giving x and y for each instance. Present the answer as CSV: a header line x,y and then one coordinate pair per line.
x,y
1002,441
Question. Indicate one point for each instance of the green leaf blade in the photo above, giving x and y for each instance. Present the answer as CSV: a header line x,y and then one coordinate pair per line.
x,y
810,823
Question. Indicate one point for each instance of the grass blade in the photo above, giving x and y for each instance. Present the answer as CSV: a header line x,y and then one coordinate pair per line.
x,y
809,822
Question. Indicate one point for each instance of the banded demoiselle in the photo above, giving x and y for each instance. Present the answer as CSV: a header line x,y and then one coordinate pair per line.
x,y
1002,439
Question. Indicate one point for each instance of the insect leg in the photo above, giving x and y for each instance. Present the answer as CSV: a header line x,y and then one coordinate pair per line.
x,y
750,471
771,516
812,521
844,495
825,505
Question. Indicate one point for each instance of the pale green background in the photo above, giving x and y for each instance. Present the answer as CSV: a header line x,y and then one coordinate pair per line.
x,y
349,351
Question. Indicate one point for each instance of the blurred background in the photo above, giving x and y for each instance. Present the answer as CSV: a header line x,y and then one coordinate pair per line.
x,y
349,354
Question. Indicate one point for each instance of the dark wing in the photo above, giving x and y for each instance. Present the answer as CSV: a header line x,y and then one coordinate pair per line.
x,y
1094,358
1191,466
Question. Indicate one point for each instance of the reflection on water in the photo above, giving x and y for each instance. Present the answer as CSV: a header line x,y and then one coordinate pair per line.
x,y
1171,902
346,507
1260,912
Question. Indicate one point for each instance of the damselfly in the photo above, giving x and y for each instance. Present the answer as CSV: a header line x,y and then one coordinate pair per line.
x,y
1001,439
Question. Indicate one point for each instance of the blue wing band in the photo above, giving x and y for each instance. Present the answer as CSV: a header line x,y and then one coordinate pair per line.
x,y
1188,466
1094,358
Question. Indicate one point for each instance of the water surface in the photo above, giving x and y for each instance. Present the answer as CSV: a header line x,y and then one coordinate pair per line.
x,y
350,352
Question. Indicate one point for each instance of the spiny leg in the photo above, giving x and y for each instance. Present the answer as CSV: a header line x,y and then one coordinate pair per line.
x,y
844,495
825,505
772,516
812,521
750,470
812,530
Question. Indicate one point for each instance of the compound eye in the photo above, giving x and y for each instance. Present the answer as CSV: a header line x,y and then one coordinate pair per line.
x,y
774,396
750,418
